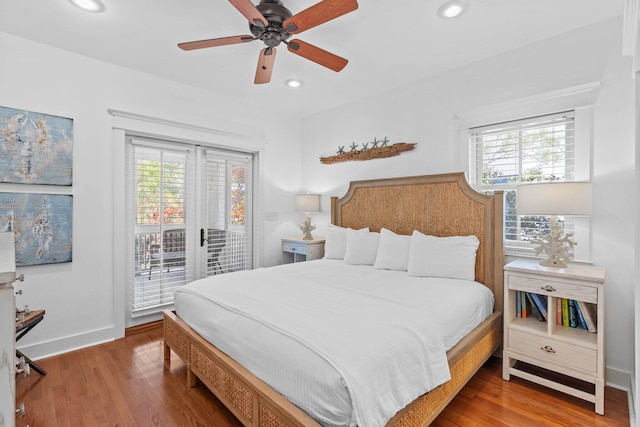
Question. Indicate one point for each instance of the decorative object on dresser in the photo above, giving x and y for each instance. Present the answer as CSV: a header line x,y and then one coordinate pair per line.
x,y
554,199
307,203
550,351
297,250
376,149
437,205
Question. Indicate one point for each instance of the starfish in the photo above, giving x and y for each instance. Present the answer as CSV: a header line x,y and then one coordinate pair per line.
x,y
341,150
375,143
365,146
354,147
384,142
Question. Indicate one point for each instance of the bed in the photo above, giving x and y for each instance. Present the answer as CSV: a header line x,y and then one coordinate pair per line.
x,y
438,205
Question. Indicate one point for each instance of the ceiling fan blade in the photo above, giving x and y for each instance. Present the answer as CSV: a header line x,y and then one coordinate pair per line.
x,y
250,12
265,65
200,44
317,55
318,14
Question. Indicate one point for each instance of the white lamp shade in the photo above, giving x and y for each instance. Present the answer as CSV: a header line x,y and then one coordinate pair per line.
x,y
554,198
308,202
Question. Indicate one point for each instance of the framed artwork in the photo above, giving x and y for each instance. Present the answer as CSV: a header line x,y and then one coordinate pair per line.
x,y
42,226
35,148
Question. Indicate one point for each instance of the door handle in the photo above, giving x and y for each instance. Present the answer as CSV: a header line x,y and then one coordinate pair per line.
x,y
202,239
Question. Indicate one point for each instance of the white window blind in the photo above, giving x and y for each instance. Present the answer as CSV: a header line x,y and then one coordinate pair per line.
x,y
161,208
228,211
504,155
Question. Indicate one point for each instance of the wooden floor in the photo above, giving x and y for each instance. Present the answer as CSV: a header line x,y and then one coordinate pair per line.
x,y
125,383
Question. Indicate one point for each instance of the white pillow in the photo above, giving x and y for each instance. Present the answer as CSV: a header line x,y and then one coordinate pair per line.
x,y
449,257
335,244
393,251
362,247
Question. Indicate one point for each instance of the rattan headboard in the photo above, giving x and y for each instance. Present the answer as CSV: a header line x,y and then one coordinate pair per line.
x,y
439,205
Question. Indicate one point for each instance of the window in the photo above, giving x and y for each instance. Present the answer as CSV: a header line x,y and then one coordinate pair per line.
x,y
506,154
190,216
161,207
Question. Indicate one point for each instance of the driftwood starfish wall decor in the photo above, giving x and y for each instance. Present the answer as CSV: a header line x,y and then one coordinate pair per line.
x,y
377,149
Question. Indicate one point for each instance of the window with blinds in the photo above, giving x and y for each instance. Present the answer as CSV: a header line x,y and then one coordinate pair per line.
x,y
504,155
189,216
227,212
160,204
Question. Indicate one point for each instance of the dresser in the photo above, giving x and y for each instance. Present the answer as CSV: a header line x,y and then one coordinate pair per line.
x,y
297,250
567,340
7,331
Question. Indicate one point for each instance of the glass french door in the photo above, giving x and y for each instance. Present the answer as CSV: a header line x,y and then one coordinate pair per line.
x,y
226,213
190,216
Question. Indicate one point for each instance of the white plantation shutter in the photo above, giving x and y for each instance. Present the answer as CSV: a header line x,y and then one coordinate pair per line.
x,y
161,206
227,211
507,154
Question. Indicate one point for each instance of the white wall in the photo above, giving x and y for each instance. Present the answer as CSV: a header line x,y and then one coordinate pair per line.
x,y
79,296
423,113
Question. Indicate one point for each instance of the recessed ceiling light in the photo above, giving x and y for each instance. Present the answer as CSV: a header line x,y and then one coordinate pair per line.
x,y
452,8
88,5
293,83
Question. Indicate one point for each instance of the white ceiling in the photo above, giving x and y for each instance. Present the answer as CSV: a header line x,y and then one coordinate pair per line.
x,y
388,43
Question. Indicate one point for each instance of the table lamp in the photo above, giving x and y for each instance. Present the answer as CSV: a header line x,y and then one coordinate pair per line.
x,y
307,203
554,199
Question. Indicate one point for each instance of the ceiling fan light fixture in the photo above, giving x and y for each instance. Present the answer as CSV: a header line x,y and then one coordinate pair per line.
x,y
452,9
293,83
88,5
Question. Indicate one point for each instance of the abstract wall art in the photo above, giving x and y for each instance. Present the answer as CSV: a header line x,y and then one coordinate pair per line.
x,y
42,225
35,148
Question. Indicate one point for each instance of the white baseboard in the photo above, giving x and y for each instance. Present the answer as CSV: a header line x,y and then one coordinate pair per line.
x,y
623,381
67,344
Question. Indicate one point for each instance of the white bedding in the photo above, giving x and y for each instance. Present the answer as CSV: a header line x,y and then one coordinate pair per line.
x,y
317,331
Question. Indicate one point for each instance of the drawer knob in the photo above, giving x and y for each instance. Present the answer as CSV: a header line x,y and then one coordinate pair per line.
x,y
548,349
548,288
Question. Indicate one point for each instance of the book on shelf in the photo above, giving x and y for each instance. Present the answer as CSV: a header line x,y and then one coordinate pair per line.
x,y
518,305
541,303
534,307
565,312
523,303
589,312
573,317
581,321
559,311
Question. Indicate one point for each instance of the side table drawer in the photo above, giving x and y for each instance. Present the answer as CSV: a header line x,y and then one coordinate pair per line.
x,y
558,352
294,248
554,289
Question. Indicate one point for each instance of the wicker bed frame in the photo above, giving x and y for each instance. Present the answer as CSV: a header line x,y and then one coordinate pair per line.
x,y
441,205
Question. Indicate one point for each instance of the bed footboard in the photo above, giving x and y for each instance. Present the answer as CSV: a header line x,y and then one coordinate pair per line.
x,y
256,404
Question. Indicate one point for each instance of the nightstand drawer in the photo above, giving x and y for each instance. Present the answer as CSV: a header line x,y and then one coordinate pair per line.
x,y
554,289
553,351
294,248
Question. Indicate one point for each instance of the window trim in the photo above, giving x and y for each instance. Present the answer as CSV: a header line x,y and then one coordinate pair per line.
x,y
127,124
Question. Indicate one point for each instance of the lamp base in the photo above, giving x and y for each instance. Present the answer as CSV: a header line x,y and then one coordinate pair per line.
x,y
553,262
555,244
307,228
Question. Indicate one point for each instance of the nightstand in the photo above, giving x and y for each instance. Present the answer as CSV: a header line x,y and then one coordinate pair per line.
x,y
297,250
567,359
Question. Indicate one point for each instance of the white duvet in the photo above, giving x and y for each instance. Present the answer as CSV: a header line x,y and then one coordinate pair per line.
x,y
350,345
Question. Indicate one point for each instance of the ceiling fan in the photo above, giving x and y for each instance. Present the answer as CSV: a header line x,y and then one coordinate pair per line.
x,y
273,23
